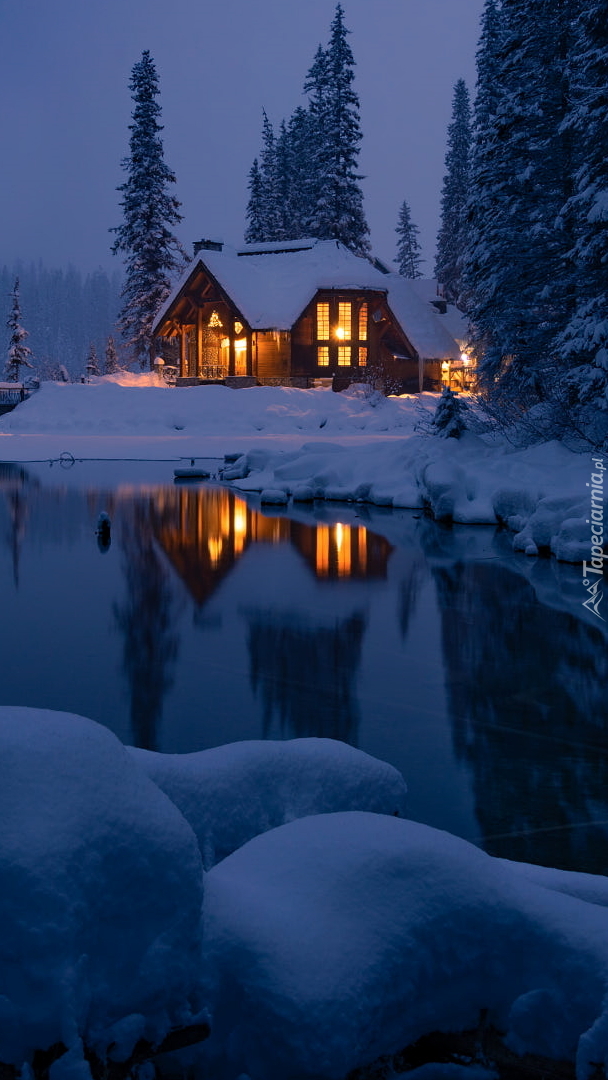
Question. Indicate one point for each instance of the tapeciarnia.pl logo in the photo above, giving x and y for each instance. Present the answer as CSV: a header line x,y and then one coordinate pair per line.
x,y
593,571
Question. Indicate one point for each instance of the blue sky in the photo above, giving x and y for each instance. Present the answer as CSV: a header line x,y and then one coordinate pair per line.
x,y
65,109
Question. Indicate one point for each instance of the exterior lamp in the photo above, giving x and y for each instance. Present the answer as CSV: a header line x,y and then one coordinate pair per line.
x,y
340,332
466,359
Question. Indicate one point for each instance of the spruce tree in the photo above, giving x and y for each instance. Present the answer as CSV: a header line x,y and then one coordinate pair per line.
x,y
152,253
408,248
301,149
270,208
254,232
338,210
18,352
92,362
454,196
110,364
517,285
583,345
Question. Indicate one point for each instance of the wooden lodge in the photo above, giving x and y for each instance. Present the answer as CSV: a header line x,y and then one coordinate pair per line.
x,y
301,313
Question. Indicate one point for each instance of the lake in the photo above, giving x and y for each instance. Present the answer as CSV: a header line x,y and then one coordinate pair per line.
x,y
473,670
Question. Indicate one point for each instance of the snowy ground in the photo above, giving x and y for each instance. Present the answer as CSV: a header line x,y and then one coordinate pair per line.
x,y
321,444
330,936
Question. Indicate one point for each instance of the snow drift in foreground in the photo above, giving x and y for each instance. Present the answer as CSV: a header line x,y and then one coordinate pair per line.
x,y
324,942
540,493
335,939
100,895
230,794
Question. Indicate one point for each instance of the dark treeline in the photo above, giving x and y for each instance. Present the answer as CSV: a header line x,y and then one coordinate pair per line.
x,y
64,313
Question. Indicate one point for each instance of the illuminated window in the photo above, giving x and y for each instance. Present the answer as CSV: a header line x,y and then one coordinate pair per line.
x,y
323,355
343,329
343,355
238,328
363,323
323,321
362,356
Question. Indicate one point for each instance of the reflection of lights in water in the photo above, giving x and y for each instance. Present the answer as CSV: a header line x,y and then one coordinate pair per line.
x,y
240,519
240,526
215,545
322,560
339,536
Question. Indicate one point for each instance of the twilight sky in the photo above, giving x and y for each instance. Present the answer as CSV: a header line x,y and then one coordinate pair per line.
x,y
65,109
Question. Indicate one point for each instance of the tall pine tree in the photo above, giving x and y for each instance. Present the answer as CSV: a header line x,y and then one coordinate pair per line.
x,y
408,248
517,284
18,352
454,196
255,231
583,345
338,211
152,252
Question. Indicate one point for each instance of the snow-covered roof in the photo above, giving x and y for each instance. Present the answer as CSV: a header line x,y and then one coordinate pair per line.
x,y
271,284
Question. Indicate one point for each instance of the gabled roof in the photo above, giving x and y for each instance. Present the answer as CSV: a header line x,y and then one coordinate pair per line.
x,y
272,284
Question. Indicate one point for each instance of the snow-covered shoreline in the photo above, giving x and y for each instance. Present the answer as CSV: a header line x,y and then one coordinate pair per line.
x,y
327,931
338,446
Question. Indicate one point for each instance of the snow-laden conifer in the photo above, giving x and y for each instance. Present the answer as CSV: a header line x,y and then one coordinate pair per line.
x,y
338,211
153,254
92,362
449,420
408,248
110,363
19,354
583,345
517,279
254,231
454,195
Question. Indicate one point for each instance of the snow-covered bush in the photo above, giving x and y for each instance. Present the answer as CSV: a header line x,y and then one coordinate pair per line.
x,y
449,421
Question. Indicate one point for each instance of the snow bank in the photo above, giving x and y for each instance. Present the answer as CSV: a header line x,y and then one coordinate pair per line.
x,y
106,407
100,895
335,939
232,793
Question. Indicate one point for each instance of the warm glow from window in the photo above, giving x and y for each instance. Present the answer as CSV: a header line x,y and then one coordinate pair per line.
x,y
343,355
238,328
363,323
225,342
362,356
323,321
343,329
215,319
322,560
323,355
240,345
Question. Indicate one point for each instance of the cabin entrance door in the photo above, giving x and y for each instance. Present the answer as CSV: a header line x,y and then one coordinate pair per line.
x,y
215,349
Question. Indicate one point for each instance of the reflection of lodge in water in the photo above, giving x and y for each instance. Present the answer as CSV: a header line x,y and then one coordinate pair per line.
x,y
204,531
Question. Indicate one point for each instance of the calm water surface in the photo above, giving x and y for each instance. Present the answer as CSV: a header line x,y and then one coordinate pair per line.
x,y
475,671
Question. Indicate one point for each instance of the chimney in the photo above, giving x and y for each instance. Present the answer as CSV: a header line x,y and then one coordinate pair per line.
x,y
207,245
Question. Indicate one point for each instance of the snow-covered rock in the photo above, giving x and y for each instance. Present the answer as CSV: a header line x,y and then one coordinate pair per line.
x,y
335,939
100,892
230,794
